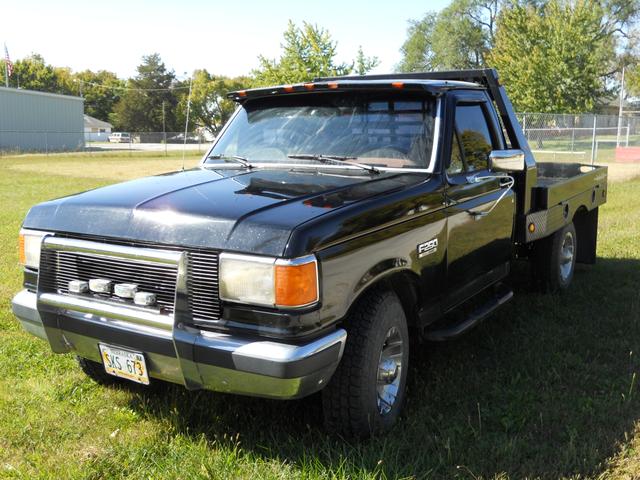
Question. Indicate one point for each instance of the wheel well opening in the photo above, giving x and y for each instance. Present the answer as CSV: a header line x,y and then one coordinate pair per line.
x,y
406,287
586,225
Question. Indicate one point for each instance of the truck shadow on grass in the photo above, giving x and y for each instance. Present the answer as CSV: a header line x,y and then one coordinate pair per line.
x,y
543,388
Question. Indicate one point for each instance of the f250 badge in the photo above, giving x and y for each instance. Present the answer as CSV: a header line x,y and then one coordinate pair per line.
x,y
427,248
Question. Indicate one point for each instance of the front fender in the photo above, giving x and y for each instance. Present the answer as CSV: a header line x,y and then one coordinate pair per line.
x,y
349,268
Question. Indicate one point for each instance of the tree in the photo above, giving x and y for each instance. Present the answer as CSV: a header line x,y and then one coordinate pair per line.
x,y
210,107
630,59
308,52
417,51
140,107
33,73
459,37
556,57
101,91
364,64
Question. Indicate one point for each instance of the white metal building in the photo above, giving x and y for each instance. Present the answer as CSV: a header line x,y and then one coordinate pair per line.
x,y
39,121
96,130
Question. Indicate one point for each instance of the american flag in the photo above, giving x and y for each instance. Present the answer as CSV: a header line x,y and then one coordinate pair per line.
x,y
7,62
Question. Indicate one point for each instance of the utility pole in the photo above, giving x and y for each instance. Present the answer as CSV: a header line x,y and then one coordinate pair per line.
x,y
164,131
186,123
620,109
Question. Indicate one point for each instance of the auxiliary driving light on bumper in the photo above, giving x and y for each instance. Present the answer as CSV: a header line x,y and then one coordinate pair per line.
x,y
78,286
144,299
100,285
125,290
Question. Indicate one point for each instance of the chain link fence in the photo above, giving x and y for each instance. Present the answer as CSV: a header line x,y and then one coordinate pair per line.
x,y
585,138
13,142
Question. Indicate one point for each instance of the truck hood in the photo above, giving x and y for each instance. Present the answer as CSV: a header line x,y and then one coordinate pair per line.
x,y
244,210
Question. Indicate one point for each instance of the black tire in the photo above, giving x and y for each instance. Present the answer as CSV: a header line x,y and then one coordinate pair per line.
x,y
96,372
553,269
350,401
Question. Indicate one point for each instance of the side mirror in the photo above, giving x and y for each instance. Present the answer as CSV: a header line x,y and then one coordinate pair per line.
x,y
506,161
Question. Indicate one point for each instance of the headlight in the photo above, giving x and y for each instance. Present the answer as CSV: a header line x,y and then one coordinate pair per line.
x,y
30,241
268,281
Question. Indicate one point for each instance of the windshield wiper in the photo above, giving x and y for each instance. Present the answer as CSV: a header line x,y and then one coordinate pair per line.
x,y
333,159
229,158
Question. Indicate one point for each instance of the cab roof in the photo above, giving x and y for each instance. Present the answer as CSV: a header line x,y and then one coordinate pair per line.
x,y
362,83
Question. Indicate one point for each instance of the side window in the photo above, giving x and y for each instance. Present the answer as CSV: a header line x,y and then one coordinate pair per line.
x,y
455,166
475,138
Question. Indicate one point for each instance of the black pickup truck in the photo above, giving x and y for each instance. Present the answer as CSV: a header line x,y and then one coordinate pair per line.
x,y
331,224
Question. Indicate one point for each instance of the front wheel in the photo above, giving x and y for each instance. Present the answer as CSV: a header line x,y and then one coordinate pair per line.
x,y
366,393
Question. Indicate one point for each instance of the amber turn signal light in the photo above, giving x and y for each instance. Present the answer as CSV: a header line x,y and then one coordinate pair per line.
x,y
296,285
22,258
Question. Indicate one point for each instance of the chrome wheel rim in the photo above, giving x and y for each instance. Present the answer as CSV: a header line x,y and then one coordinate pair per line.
x,y
566,256
389,371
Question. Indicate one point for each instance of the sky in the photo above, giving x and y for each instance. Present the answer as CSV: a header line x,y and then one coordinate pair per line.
x,y
223,37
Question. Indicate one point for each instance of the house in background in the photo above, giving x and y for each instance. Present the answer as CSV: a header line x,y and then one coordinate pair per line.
x,y
96,130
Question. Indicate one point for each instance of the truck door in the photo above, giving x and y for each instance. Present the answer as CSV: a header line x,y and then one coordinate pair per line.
x,y
479,229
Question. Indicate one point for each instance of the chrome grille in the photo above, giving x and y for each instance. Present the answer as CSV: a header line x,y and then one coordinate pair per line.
x,y
58,268
202,276
202,285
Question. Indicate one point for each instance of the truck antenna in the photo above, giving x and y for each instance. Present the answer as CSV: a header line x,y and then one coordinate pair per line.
x,y
186,123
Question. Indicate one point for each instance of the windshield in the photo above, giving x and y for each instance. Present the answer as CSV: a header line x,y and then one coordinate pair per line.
x,y
390,130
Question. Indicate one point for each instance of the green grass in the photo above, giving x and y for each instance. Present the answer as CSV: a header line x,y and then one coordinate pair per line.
x,y
546,388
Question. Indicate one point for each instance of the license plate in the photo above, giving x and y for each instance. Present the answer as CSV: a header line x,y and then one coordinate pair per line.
x,y
124,363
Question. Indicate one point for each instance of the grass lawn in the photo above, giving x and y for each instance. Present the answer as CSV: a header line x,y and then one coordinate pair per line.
x,y
546,388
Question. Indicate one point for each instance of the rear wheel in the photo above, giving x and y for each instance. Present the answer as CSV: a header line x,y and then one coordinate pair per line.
x,y
554,260
366,393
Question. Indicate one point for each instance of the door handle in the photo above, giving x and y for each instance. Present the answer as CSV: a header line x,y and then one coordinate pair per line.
x,y
506,182
475,179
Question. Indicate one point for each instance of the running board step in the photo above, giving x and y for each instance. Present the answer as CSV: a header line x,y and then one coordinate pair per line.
x,y
472,320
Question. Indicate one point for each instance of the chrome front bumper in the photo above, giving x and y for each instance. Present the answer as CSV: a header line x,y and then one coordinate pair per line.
x,y
188,356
